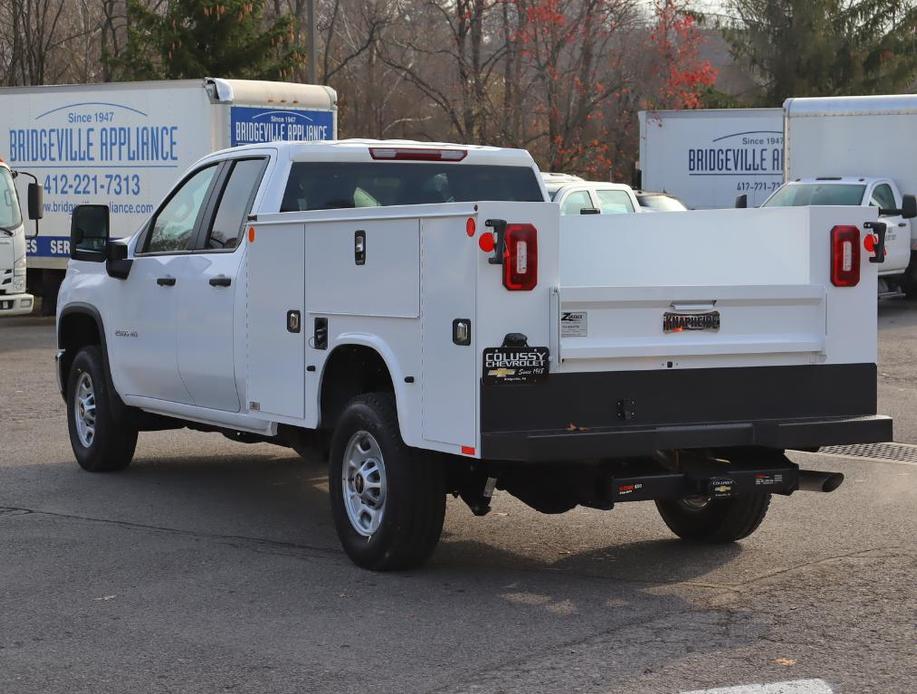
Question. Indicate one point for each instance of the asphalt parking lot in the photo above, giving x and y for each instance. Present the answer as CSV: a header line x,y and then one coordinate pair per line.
x,y
213,566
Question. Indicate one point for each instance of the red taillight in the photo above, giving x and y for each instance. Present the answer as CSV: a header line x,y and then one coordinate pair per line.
x,y
520,257
415,154
845,256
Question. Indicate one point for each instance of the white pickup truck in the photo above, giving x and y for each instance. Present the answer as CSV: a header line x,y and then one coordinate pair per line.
x,y
423,314
14,301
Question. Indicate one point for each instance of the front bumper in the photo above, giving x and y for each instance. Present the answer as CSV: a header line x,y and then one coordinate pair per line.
x,y
602,415
16,304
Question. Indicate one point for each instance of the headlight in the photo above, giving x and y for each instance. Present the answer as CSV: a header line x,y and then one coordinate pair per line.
x,y
19,267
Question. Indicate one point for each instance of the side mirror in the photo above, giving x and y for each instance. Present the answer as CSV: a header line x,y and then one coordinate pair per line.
x,y
89,233
742,201
590,210
36,194
908,206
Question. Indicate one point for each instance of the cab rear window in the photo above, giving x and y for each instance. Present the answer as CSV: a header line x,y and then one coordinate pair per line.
x,y
329,185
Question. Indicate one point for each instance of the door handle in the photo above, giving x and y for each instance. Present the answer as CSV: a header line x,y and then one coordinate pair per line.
x,y
902,224
165,281
220,281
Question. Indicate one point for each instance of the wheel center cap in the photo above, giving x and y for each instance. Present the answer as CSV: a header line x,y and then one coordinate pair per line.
x,y
358,483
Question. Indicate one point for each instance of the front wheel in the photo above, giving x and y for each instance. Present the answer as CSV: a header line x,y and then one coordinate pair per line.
x,y
101,441
714,520
388,500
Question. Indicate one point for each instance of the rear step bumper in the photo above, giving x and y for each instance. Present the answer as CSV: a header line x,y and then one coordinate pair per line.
x,y
728,482
617,442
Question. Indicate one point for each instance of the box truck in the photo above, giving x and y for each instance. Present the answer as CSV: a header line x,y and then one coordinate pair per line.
x,y
708,157
125,143
857,150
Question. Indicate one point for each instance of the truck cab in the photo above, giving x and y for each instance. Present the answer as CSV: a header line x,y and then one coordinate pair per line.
x,y
14,301
881,193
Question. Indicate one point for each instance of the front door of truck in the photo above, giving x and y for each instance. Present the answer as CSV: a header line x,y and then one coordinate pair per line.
x,y
897,232
209,331
144,329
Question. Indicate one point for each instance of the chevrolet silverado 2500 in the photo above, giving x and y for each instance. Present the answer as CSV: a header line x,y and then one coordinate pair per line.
x,y
424,315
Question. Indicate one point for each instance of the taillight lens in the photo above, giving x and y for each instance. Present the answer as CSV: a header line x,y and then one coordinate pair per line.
x,y
845,256
520,257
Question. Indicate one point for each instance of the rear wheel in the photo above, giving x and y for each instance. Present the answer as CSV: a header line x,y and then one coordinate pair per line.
x,y
909,281
101,441
388,500
703,519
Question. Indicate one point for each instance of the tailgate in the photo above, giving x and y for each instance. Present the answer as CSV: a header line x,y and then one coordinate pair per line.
x,y
709,288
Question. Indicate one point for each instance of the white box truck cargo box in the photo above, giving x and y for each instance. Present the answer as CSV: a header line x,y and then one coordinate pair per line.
x,y
853,136
124,144
708,157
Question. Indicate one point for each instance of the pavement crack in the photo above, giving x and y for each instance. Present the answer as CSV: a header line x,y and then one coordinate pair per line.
x,y
259,543
824,560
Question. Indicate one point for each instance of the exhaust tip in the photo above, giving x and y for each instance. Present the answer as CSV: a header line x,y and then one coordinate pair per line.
x,y
833,480
817,481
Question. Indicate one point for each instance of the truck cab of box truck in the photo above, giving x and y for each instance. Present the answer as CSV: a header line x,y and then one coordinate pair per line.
x,y
14,301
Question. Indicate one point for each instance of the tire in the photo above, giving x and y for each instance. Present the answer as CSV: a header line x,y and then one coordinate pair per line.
x,y
909,281
714,520
101,441
370,462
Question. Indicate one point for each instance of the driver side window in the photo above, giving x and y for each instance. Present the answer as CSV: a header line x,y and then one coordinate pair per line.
x,y
173,228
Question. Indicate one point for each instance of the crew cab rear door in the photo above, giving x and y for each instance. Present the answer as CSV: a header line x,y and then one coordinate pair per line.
x,y
208,284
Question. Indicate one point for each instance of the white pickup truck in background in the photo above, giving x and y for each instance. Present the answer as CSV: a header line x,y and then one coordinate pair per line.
x,y
14,300
865,147
424,313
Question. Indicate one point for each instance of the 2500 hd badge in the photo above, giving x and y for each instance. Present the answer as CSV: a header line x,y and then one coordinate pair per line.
x,y
515,364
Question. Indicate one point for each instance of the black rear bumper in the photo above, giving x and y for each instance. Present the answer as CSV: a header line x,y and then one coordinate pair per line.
x,y
605,415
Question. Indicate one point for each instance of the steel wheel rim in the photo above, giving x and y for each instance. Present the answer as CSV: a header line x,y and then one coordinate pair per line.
x,y
84,409
364,483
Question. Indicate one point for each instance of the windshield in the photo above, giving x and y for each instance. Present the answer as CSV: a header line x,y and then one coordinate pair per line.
x,y
662,203
10,218
329,185
801,194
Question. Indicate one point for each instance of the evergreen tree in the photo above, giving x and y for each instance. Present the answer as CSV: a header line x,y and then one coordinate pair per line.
x,y
825,47
197,38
